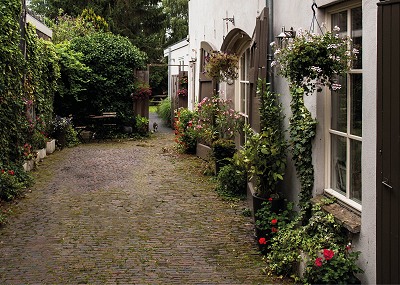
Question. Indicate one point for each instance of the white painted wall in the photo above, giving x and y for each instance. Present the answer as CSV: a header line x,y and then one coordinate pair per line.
x,y
206,24
175,54
367,240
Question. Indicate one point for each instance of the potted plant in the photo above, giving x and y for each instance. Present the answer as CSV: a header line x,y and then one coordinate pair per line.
x,y
215,119
222,150
264,153
222,66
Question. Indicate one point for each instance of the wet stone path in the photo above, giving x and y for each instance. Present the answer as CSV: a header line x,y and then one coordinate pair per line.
x,y
131,212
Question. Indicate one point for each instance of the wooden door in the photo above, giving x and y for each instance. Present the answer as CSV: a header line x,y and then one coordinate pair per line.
x,y
388,160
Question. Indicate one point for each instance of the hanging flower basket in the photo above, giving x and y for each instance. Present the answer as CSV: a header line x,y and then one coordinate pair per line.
x,y
182,92
142,91
310,60
222,66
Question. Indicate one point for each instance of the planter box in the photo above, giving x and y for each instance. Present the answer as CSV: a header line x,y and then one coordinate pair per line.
x,y
203,151
28,165
41,153
50,146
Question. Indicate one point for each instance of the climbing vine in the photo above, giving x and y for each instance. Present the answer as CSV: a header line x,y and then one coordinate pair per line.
x,y
12,116
302,131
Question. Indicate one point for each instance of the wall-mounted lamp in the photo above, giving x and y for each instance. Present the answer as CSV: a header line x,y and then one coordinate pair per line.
x,y
284,35
232,20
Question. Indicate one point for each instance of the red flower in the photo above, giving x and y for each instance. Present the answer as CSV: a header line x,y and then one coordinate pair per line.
x,y
11,172
2,171
328,254
270,199
274,221
318,262
274,230
262,241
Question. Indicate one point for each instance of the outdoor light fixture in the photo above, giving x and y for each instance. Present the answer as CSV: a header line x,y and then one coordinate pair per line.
x,y
284,35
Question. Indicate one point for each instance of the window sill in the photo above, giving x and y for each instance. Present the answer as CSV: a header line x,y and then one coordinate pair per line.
x,y
344,216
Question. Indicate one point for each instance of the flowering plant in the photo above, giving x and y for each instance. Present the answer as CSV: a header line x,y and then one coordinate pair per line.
x,y
185,135
222,66
141,91
61,123
333,267
309,60
271,218
182,92
9,184
216,119
183,80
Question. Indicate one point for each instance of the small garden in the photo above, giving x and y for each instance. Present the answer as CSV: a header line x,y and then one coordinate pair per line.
x,y
49,91
300,241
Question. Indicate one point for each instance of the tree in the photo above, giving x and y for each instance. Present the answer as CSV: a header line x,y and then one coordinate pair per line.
x,y
176,24
112,60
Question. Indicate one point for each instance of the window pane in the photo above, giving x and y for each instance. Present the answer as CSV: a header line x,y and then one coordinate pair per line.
x,y
356,102
356,35
338,166
339,107
340,20
355,170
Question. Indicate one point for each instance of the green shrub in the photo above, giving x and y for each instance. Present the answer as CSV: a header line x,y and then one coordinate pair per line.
x,y
112,60
12,180
320,235
232,180
185,134
141,125
71,136
164,111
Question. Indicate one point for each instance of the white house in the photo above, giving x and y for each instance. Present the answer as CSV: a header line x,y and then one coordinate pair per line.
x,y
366,183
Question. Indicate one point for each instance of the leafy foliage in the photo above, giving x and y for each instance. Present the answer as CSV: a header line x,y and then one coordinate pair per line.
x,y
12,104
112,60
232,180
265,152
176,24
302,131
164,111
222,66
216,119
185,135
321,232
311,59
67,27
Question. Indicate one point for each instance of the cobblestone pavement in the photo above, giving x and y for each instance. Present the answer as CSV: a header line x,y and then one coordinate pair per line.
x,y
131,212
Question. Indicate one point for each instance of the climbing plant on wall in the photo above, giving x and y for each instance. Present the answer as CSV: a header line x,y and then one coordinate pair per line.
x,y
310,61
11,100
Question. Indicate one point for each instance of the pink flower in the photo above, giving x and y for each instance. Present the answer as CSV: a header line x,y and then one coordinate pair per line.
x,y
262,241
318,262
328,254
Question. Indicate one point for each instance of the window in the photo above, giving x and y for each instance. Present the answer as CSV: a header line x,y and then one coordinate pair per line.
x,y
345,117
244,88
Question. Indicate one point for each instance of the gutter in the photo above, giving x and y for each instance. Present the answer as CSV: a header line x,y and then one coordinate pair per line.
x,y
270,54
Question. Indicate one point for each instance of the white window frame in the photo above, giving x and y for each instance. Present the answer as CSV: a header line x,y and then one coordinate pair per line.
x,y
246,82
344,198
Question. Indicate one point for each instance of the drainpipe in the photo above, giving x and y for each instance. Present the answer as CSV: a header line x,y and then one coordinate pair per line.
x,y
270,54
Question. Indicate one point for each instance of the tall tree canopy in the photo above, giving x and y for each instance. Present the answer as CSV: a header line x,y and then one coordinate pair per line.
x,y
142,21
176,24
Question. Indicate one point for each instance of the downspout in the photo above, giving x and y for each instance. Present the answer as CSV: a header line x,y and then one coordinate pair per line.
x,y
270,54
